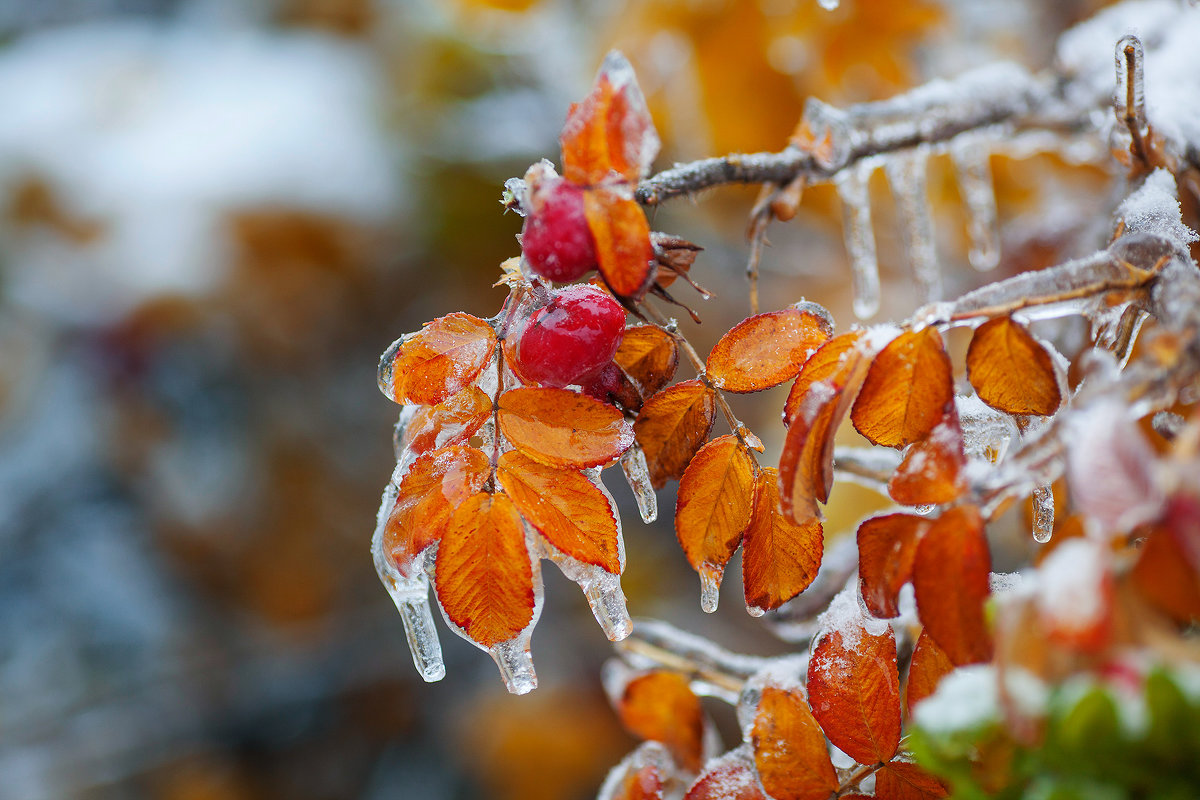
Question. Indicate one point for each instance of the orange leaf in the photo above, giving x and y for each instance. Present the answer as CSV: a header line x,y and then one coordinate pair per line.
x,y
887,546
779,558
1074,595
730,777
484,577
825,364
434,486
562,428
672,426
610,130
624,254
806,464
566,508
641,784
903,780
438,361
767,349
931,472
649,356
661,706
950,576
453,421
906,389
854,686
1166,572
1010,371
713,506
789,748
928,666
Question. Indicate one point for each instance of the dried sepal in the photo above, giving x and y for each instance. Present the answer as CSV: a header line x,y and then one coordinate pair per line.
x,y
672,426
649,356
609,134
435,484
887,548
928,666
907,387
661,706
854,685
1011,371
562,428
714,504
932,470
624,254
438,361
564,506
780,558
767,349
484,576
789,748
950,576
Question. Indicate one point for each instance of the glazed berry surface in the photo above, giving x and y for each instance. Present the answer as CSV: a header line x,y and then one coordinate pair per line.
x,y
571,338
556,240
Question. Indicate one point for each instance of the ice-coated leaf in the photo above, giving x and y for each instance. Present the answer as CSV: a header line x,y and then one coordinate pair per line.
x,y
854,683
780,559
730,777
624,254
950,576
887,547
905,391
904,780
640,776
928,666
1074,594
1167,572
565,507
806,464
661,706
1010,371
483,574
672,426
438,361
767,349
932,470
825,364
452,421
562,428
436,484
609,131
789,747
713,507
649,356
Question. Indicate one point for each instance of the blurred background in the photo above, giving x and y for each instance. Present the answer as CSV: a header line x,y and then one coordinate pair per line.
x,y
215,214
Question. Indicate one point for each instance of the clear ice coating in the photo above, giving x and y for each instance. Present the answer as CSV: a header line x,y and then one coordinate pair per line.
x,y
1043,513
710,588
829,129
647,754
637,475
974,172
906,174
410,594
852,187
1130,99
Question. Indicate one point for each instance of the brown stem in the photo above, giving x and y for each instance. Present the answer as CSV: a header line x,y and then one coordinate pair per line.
x,y
856,777
679,663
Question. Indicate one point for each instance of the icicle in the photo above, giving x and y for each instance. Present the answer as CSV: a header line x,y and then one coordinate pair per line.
x,y
860,239
637,474
601,588
1043,513
906,174
1129,100
516,663
974,170
710,588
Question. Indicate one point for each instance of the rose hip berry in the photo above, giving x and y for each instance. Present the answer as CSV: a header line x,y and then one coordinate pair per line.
x,y
574,336
556,240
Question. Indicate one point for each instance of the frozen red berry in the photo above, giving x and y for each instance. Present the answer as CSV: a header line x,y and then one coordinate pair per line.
x,y
556,240
574,336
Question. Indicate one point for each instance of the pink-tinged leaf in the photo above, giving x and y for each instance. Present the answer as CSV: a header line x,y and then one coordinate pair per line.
x,y
609,134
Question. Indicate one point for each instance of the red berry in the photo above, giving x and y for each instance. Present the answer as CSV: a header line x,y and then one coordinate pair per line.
x,y
556,240
576,335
